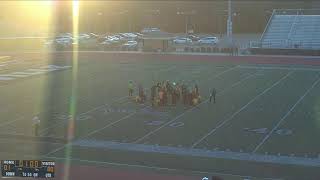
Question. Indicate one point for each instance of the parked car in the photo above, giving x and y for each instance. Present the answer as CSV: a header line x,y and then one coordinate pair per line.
x,y
182,40
63,35
138,34
93,35
208,40
111,40
150,29
128,36
130,44
193,37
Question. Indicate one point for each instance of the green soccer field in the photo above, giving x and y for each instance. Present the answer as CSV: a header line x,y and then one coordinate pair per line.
x,y
265,123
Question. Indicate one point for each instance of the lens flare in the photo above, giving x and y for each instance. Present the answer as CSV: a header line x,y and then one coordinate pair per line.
x,y
73,98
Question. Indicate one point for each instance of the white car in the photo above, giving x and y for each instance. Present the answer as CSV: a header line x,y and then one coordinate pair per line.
x,y
130,44
182,41
128,36
208,40
148,30
64,35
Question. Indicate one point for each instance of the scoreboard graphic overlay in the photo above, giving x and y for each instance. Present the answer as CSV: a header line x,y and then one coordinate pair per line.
x,y
27,168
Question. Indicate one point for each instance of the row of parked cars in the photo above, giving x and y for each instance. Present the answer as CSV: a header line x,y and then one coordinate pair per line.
x,y
67,39
129,40
90,39
122,40
206,40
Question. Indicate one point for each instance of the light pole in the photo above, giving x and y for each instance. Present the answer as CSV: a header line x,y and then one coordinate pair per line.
x,y
187,15
229,21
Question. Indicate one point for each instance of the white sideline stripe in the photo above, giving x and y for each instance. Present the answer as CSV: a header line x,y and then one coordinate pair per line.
x,y
21,134
195,152
41,132
152,167
2,141
189,110
285,116
241,109
278,68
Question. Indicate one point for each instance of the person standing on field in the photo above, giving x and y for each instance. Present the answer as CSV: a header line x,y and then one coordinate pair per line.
x,y
213,95
130,86
36,125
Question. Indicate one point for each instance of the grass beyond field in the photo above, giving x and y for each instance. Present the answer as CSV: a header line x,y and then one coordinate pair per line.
x,y
265,123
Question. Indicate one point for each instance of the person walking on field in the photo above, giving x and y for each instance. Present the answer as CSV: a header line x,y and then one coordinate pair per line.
x,y
213,95
130,86
36,125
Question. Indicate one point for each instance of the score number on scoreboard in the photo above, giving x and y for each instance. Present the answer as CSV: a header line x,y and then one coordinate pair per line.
x,y
27,168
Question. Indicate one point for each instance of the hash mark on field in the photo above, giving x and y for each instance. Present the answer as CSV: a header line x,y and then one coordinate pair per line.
x,y
285,116
240,110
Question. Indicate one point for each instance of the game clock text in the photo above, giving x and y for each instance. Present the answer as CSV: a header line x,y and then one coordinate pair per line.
x,y
27,168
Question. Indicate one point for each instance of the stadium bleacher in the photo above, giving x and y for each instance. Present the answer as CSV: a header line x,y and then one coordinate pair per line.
x,y
292,29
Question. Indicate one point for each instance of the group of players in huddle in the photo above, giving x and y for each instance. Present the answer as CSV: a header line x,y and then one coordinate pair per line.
x,y
169,93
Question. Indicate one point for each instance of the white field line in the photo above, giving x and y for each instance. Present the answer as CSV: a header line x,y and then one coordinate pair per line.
x,y
204,153
278,68
42,131
21,134
285,116
223,72
190,110
240,110
104,163
6,141
10,122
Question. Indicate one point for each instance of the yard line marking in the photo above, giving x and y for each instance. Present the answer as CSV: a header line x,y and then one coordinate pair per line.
x,y
284,117
110,124
149,167
223,72
279,68
42,131
189,110
241,109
